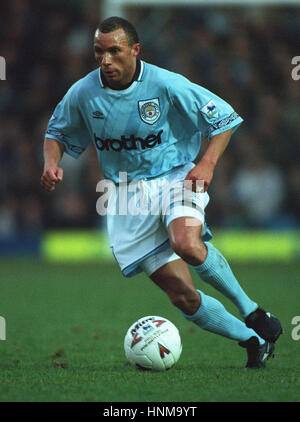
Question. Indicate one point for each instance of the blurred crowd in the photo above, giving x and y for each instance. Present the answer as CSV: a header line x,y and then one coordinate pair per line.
x,y
241,54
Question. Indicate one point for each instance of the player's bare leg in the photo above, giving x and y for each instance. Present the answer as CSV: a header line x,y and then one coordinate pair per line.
x,y
212,267
208,313
174,278
186,240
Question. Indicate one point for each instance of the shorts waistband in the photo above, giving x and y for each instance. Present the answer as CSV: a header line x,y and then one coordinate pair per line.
x,y
151,177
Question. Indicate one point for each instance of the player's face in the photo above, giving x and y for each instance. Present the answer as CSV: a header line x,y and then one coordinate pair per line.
x,y
116,58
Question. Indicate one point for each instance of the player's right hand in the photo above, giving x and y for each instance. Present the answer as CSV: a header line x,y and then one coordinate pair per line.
x,y
51,176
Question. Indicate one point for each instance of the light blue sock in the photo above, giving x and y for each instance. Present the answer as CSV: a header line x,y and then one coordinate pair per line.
x,y
213,317
216,271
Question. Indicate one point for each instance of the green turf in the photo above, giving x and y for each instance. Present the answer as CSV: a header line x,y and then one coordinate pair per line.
x,y
66,325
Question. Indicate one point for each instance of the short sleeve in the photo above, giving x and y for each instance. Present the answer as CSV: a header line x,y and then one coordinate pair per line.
x,y
67,126
206,112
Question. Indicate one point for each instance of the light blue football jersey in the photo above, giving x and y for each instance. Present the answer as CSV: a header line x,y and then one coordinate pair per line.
x,y
145,130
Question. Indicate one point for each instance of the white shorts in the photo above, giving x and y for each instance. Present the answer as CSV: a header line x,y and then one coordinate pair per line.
x,y
154,262
140,230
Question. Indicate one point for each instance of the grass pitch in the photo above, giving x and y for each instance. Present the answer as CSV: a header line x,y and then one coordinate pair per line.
x,y
65,326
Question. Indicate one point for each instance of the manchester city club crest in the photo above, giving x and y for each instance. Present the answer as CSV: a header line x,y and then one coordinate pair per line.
x,y
149,110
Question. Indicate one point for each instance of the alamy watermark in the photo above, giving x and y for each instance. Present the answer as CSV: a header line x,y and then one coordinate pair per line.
x,y
2,328
296,330
296,70
160,196
2,69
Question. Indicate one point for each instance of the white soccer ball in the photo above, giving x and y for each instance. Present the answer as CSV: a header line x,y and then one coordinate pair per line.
x,y
153,343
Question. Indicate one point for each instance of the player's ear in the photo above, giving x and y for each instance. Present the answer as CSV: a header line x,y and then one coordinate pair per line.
x,y
136,48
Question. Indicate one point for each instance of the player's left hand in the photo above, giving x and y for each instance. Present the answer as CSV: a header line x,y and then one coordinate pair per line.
x,y
202,172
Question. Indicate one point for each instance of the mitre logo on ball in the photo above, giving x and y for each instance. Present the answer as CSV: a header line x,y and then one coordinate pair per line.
x,y
149,110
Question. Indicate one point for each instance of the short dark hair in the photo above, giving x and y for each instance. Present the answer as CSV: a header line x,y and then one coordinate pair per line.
x,y
113,23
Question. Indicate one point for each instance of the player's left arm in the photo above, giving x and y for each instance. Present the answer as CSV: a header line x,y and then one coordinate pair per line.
x,y
204,170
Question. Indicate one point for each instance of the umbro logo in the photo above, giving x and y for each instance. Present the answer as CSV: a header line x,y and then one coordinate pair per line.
x,y
98,114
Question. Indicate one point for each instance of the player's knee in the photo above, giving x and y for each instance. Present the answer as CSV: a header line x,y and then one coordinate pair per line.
x,y
193,252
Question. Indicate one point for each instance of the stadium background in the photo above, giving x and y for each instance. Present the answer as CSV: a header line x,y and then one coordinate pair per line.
x,y
57,276
242,54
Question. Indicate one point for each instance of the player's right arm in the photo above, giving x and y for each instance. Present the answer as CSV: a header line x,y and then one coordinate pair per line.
x,y
52,174
66,133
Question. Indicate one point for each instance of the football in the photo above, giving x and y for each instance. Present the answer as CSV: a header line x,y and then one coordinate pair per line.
x,y
153,343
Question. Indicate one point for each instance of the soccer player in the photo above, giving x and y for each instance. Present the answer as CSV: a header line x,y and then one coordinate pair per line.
x,y
147,122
